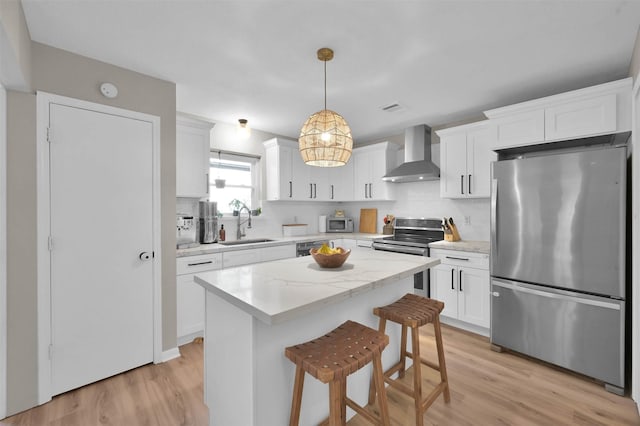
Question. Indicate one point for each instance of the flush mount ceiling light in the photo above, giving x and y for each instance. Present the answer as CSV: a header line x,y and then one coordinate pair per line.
x,y
243,129
325,139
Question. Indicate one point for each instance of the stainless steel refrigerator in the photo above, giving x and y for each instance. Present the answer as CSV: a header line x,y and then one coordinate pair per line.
x,y
558,259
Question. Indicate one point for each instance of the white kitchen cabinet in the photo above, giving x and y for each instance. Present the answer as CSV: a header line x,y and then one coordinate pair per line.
x,y
370,164
348,243
279,168
520,129
278,252
465,160
591,111
192,157
341,182
257,255
190,296
461,281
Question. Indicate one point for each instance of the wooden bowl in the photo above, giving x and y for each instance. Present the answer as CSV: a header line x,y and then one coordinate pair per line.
x,y
330,260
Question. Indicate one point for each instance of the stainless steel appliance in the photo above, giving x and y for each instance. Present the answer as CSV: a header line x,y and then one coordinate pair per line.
x,y
558,257
186,231
339,224
207,222
412,236
302,249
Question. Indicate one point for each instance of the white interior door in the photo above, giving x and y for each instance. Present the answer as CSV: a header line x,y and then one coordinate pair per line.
x,y
101,220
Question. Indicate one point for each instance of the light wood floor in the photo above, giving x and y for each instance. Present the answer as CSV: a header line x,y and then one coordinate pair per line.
x,y
487,388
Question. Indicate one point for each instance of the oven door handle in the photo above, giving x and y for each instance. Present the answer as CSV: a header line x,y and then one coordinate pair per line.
x,y
403,249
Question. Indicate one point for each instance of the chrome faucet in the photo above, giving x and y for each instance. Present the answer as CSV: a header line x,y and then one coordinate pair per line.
x,y
239,232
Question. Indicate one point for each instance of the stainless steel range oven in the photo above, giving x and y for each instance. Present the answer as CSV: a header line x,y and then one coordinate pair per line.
x,y
412,236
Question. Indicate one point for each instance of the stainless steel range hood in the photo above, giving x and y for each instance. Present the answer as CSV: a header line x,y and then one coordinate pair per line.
x,y
417,164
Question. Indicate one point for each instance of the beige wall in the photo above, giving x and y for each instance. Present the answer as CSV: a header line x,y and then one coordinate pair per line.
x,y
21,246
634,69
63,73
15,46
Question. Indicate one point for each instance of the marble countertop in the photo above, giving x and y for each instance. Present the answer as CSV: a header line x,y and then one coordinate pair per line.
x,y
463,245
283,290
277,241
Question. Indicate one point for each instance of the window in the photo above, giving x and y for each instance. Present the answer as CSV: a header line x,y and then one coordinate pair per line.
x,y
241,180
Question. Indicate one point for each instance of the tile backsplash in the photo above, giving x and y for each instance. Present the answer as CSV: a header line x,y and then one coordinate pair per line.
x,y
415,199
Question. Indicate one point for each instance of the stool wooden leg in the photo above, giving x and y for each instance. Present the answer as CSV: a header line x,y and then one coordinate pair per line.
x,y
378,379
336,401
297,397
382,325
441,362
417,375
403,352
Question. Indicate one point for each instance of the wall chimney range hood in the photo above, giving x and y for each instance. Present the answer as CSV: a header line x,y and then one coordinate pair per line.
x,y
417,164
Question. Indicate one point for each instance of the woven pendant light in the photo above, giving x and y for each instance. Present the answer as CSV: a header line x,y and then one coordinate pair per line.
x,y
325,139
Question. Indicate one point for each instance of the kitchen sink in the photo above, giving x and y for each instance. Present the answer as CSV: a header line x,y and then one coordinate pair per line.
x,y
249,241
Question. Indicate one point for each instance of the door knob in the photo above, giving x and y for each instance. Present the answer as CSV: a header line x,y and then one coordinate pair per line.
x,y
145,255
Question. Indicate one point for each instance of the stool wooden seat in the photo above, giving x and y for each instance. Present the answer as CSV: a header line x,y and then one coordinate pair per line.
x,y
414,311
333,357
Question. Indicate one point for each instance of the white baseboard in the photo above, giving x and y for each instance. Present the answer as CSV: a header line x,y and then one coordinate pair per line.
x,y
465,326
170,354
188,338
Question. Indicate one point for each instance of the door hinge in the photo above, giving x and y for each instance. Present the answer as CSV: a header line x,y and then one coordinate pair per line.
x,y
50,351
50,243
49,134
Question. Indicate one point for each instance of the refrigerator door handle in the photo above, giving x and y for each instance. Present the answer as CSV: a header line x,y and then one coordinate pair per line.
x,y
553,295
494,213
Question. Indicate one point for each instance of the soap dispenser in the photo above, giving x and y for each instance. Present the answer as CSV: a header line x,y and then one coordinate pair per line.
x,y
222,233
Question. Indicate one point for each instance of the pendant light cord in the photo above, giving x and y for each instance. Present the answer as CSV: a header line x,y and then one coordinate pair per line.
x,y
325,84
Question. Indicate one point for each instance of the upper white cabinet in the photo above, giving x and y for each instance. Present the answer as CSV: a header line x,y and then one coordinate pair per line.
x,y
288,178
592,111
192,157
370,164
341,182
466,153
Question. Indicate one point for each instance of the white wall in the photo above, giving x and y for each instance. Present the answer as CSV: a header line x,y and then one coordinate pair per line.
x,y
3,252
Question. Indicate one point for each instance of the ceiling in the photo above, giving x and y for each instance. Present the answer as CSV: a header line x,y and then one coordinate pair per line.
x,y
441,61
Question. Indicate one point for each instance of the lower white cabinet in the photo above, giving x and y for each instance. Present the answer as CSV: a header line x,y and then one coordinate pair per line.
x,y
190,296
461,281
257,255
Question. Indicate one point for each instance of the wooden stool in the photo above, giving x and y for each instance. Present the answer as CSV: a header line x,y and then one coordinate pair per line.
x,y
414,311
330,359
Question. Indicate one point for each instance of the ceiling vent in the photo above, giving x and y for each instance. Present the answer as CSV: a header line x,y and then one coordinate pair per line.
x,y
393,107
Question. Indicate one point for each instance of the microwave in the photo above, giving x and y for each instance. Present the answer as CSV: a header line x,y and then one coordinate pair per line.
x,y
339,224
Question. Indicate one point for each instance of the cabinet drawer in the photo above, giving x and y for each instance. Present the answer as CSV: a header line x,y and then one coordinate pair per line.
x,y
199,263
461,258
278,252
241,257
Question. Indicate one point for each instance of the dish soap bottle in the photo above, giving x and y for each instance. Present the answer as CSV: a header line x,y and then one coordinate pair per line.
x,y
222,233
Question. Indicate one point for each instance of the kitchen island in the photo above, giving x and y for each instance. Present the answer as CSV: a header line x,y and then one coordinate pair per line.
x,y
253,312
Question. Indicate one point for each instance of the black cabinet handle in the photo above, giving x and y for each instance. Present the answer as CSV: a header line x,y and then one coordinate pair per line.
x,y
200,263
469,184
456,258
460,281
365,190
462,184
332,192
370,191
452,271
310,190
207,183
290,189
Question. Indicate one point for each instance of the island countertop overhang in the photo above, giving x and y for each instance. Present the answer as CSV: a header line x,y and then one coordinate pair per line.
x,y
283,290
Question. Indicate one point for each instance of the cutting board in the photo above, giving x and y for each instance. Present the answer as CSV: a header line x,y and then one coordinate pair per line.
x,y
368,221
